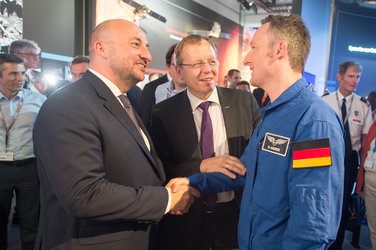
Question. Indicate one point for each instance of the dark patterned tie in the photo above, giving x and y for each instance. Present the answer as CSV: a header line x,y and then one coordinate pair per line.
x,y
128,107
343,110
348,146
207,143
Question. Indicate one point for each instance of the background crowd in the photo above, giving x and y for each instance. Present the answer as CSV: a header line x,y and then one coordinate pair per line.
x,y
182,163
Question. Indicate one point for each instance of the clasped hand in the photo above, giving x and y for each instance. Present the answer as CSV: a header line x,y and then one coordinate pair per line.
x,y
225,164
182,195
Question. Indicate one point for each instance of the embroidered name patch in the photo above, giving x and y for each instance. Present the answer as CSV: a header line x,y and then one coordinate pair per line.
x,y
276,144
313,153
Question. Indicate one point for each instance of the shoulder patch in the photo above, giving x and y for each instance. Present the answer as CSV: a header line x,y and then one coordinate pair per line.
x,y
312,153
363,99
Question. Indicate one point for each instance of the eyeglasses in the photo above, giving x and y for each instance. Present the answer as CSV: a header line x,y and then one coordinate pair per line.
x,y
200,65
32,55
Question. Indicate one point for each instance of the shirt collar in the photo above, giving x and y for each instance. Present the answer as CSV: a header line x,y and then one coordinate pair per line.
x,y
289,94
340,96
195,102
171,89
169,77
114,89
170,86
19,95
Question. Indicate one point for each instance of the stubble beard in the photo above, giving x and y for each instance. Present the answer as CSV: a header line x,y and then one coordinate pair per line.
x,y
125,76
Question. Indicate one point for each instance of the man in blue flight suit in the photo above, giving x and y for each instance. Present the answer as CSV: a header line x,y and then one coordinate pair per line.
x,y
294,180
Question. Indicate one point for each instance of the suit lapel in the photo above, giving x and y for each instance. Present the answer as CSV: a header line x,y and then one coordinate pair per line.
x,y
160,172
111,103
114,107
227,109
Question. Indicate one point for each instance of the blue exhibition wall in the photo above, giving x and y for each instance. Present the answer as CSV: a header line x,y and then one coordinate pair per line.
x,y
354,38
316,15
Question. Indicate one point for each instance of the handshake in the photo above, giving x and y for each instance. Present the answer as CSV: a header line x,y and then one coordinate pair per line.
x,y
182,195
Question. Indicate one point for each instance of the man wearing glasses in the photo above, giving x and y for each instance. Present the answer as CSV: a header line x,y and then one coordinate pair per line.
x,y
202,129
30,52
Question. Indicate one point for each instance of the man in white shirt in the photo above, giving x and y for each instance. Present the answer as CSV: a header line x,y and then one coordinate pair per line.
x,y
172,87
356,115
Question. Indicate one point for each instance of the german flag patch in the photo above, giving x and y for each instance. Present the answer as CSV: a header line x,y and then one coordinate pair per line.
x,y
314,153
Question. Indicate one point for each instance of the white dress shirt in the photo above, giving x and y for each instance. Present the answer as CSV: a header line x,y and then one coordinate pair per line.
x,y
219,130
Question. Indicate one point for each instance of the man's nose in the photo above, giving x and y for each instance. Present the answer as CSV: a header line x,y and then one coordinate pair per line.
x,y
20,77
247,58
146,54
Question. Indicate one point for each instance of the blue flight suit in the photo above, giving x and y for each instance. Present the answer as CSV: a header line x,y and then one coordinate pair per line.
x,y
285,207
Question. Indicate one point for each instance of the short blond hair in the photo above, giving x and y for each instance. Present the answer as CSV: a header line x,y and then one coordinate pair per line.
x,y
191,39
292,30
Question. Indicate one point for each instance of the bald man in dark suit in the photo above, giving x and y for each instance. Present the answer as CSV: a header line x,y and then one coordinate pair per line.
x,y
101,181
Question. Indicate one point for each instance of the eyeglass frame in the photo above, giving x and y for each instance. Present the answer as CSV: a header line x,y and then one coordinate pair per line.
x,y
201,64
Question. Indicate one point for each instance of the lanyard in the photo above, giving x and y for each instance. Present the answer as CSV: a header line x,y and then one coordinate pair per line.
x,y
14,118
350,109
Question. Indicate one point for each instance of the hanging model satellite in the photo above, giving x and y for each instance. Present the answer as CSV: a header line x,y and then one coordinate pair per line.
x,y
143,11
214,32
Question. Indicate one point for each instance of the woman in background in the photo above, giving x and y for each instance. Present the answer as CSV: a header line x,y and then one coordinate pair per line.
x,y
366,180
372,100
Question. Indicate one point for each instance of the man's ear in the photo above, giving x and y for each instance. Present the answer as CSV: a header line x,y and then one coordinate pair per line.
x,y
179,70
339,77
168,67
281,49
101,49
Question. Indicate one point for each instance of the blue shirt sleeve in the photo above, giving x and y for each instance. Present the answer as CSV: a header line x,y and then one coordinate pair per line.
x,y
218,182
215,182
316,192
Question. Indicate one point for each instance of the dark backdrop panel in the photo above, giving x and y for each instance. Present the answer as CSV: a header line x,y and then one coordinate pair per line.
x,y
51,24
354,25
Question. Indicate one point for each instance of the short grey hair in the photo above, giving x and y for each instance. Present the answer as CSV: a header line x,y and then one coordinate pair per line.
x,y
19,46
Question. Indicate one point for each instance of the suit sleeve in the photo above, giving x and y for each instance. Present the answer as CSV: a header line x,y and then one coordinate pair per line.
x,y
316,193
69,145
